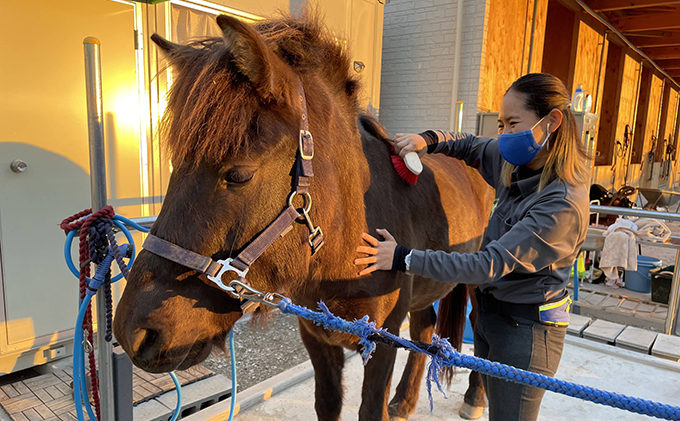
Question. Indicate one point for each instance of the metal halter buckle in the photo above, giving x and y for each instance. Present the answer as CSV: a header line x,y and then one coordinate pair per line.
x,y
305,134
227,267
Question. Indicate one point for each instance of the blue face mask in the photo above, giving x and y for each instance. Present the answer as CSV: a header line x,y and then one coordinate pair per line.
x,y
521,148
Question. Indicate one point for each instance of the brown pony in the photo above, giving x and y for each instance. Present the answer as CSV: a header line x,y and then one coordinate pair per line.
x,y
232,127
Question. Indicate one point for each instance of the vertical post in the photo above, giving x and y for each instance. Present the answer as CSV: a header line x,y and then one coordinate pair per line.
x,y
458,124
531,40
577,308
673,300
456,65
95,128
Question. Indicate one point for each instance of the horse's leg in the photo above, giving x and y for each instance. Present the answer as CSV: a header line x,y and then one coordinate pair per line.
x,y
377,376
475,396
406,396
328,361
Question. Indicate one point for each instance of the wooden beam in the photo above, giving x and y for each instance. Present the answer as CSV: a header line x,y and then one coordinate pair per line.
x,y
655,34
641,119
675,74
643,42
665,103
661,53
669,65
609,113
647,22
610,5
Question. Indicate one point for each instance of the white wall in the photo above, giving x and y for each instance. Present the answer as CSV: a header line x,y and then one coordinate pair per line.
x,y
417,67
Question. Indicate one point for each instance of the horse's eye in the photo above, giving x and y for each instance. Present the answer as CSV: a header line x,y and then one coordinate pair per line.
x,y
238,176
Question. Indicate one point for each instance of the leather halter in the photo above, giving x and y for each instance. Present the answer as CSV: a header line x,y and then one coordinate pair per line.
x,y
302,176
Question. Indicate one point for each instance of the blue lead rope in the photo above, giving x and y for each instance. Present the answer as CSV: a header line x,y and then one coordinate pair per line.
x,y
443,354
79,376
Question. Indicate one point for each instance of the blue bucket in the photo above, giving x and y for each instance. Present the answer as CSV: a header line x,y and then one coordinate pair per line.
x,y
640,280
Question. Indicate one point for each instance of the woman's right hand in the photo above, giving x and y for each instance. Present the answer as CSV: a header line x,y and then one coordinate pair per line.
x,y
409,142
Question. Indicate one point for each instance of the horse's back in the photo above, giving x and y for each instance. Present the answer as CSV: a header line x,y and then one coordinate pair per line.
x,y
465,198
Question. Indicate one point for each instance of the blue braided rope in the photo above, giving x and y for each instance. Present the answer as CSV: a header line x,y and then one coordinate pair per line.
x,y
101,238
446,356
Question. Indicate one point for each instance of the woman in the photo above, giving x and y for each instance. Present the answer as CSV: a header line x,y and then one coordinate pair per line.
x,y
537,226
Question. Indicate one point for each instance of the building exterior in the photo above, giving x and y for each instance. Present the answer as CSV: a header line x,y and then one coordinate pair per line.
x,y
44,125
623,53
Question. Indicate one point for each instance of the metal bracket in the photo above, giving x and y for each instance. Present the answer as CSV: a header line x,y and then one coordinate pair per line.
x,y
227,267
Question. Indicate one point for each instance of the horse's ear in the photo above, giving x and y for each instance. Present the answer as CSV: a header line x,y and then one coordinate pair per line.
x,y
252,56
165,45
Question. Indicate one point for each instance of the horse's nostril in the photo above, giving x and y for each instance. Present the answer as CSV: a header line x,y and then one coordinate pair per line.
x,y
144,342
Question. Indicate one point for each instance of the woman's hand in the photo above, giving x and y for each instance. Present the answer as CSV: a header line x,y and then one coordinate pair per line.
x,y
380,255
409,142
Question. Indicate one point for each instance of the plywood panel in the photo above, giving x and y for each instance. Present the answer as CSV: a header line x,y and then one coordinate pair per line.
x,y
588,57
671,114
539,35
653,113
505,37
641,119
557,49
651,132
626,115
610,97
666,104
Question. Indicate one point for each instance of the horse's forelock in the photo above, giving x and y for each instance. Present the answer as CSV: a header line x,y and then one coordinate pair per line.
x,y
212,107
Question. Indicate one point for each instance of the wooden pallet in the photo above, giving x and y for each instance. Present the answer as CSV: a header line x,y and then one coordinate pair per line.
x,y
616,307
50,397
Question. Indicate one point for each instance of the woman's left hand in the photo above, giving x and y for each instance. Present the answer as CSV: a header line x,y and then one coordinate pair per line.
x,y
381,254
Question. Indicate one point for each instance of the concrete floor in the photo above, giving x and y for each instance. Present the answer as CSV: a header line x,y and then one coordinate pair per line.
x,y
584,362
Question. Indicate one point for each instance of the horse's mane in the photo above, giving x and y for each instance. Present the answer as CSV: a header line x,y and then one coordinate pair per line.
x,y
212,108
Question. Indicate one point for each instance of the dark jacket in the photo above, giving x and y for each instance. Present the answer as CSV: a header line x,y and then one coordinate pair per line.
x,y
532,239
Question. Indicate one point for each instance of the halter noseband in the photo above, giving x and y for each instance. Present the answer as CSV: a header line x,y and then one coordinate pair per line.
x,y
302,176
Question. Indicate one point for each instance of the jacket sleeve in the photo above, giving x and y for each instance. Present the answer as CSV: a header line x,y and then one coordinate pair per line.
x,y
546,235
477,152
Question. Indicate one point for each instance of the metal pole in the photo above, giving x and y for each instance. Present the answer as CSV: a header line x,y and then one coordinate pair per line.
x,y
674,298
531,40
95,127
456,65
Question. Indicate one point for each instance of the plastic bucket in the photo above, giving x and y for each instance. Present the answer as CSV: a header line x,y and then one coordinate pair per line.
x,y
640,280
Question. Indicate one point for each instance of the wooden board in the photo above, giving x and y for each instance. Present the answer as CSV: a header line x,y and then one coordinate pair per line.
x,y
609,111
50,397
588,57
557,50
668,129
651,130
641,118
508,42
626,105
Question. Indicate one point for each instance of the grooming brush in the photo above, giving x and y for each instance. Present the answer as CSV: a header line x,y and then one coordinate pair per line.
x,y
409,167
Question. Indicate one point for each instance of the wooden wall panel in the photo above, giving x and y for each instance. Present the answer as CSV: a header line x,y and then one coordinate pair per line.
x,y
505,40
653,113
588,57
671,114
626,115
609,110
651,132
663,137
539,35
629,86
507,46
641,119
557,49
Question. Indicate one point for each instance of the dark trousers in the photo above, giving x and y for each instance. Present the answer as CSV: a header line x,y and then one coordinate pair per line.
x,y
530,346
